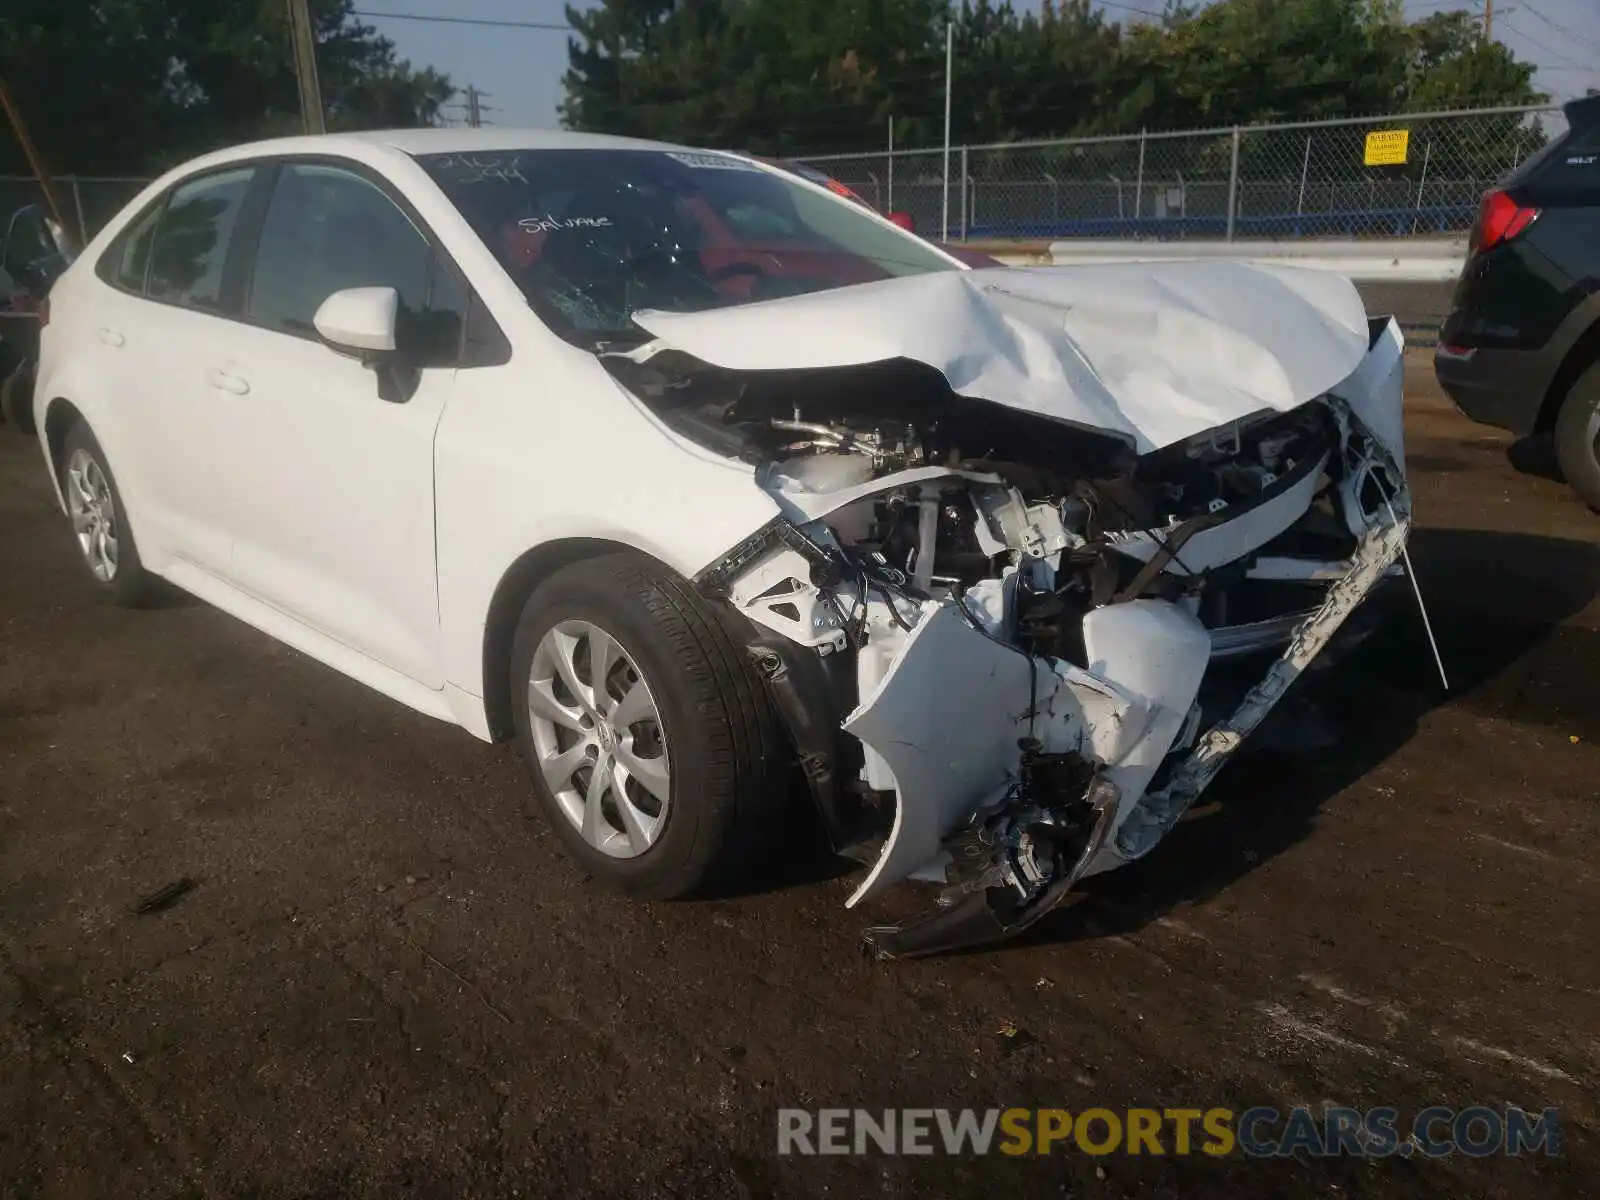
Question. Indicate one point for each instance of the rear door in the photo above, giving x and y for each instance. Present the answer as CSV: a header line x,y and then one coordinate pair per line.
x,y
172,277
330,485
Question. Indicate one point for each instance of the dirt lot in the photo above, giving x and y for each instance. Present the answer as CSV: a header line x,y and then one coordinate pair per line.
x,y
390,982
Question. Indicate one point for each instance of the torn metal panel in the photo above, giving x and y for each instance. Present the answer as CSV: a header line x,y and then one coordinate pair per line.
x,y
1154,353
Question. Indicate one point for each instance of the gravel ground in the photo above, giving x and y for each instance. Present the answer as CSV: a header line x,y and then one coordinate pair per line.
x,y
388,980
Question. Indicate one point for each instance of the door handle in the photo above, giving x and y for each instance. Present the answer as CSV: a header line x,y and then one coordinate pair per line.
x,y
111,337
227,382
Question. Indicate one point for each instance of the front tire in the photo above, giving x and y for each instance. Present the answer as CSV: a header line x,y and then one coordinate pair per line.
x,y
100,520
652,745
1578,436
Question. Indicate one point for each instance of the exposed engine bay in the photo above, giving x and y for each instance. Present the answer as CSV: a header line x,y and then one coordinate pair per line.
x,y
991,632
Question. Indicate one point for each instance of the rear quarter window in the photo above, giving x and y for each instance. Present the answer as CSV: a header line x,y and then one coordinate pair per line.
x,y
1569,169
127,258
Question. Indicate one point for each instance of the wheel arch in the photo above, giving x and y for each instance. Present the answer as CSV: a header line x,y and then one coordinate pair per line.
x,y
1582,355
60,415
524,575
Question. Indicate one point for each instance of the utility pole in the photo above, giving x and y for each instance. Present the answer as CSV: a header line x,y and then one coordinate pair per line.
x,y
31,153
305,67
1488,20
474,109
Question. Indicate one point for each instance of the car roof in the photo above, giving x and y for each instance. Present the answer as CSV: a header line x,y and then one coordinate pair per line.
x,y
451,141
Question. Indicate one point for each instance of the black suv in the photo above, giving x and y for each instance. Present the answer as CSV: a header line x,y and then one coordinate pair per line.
x,y
1521,346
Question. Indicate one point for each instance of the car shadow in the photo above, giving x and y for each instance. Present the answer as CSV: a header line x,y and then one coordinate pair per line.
x,y
1493,597
1535,455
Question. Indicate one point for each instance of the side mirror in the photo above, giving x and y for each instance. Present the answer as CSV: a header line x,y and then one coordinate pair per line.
x,y
360,321
904,220
34,249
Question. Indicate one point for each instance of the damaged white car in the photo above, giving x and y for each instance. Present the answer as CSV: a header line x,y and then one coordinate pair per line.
x,y
698,479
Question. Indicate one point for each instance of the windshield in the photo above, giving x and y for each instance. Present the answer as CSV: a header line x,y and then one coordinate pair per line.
x,y
593,236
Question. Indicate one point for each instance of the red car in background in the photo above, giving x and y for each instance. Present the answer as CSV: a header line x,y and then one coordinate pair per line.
x,y
973,258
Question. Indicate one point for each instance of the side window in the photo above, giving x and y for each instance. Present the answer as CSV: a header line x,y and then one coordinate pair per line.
x,y
328,229
127,259
191,241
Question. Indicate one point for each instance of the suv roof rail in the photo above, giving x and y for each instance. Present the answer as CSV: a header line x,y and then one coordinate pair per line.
x,y
1583,112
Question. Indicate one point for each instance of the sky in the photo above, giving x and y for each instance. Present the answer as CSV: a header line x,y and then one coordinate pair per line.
x,y
520,69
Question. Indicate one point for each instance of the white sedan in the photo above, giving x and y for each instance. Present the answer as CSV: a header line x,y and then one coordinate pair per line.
x,y
699,481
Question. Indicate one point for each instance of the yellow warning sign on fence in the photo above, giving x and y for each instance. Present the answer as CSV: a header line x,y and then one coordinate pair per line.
x,y
1387,147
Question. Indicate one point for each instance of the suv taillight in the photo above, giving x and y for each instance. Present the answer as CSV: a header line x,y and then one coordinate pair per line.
x,y
1500,218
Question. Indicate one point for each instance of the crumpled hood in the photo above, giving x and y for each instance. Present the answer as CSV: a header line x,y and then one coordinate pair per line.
x,y
1153,351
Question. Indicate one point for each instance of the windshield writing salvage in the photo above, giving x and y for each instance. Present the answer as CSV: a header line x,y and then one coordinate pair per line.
x,y
551,224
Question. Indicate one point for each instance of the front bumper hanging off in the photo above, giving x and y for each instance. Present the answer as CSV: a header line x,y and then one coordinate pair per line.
x,y
1124,824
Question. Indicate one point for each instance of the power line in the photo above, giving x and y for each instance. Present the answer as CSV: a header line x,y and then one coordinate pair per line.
x,y
1563,30
1550,50
548,26
1143,12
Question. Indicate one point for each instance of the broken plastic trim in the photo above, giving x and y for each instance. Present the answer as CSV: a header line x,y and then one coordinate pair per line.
x,y
995,912
713,581
974,917
1376,550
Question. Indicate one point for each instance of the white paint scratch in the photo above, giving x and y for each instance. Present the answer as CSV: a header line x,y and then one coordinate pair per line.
x,y
1300,1029
1387,1009
1544,1070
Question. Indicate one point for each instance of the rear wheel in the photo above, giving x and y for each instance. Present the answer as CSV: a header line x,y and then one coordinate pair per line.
x,y
1578,436
651,743
99,519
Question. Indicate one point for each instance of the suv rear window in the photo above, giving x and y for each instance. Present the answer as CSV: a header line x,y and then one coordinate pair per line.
x,y
1569,166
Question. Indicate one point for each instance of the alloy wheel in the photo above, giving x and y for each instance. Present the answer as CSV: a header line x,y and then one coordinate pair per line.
x,y
600,743
94,514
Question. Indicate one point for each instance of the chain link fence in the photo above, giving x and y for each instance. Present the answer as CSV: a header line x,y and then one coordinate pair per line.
x,y
1309,179
87,201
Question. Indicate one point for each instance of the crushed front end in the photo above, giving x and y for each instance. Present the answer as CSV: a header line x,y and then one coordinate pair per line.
x,y
999,641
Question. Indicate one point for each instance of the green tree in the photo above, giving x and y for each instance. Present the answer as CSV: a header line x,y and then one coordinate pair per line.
x,y
129,86
783,75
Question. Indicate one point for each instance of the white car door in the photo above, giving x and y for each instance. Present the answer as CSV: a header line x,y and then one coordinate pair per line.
x,y
329,483
161,311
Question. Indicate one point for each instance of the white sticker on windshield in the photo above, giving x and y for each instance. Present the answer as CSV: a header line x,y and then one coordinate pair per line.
x,y
712,162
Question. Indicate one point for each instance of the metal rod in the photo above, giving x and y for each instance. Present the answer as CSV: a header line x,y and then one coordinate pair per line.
x,y
77,203
966,182
891,162
1138,186
1233,184
1416,589
1305,165
949,74
1427,152
31,153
